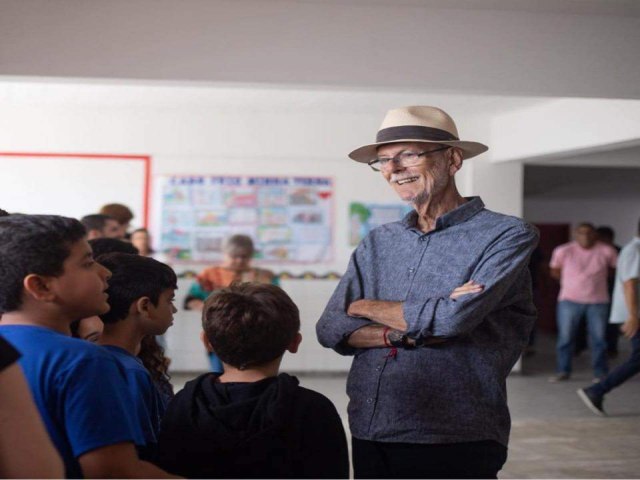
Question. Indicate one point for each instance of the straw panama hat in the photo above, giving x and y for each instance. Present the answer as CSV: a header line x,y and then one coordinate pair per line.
x,y
417,124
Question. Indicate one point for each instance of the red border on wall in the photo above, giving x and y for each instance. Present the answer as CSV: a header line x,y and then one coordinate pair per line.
x,y
146,159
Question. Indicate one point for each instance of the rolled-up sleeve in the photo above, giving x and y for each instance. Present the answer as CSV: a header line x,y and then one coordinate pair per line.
x,y
499,267
335,326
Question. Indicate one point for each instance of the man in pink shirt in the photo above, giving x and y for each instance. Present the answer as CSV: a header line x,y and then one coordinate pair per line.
x,y
583,267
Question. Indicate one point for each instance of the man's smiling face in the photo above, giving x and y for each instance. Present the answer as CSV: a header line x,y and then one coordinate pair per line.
x,y
416,183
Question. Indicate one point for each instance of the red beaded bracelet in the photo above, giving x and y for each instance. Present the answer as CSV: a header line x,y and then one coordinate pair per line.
x,y
384,336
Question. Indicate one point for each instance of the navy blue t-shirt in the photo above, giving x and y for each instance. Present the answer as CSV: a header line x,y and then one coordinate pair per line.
x,y
79,389
147,400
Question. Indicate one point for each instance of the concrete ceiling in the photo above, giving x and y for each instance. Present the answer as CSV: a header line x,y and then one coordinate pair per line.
x,y
562,182
559,48
607,156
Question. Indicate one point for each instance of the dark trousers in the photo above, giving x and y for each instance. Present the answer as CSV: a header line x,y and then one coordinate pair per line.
x,y
623,372
414,460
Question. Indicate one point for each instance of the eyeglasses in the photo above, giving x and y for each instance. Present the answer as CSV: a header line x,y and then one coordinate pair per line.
x,y
404,159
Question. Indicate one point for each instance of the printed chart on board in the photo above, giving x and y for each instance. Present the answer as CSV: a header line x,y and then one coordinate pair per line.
x,y
290,219
364,217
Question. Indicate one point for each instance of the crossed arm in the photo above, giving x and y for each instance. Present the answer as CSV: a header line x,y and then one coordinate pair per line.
x,y
385,314
351,321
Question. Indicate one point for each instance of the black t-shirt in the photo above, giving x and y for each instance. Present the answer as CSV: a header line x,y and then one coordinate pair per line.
x,y
8,354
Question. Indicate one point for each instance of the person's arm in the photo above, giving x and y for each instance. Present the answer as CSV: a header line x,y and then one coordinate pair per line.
x,y
555,265
26,451
101,421
389,315
335,325
502,264
630,326
118,461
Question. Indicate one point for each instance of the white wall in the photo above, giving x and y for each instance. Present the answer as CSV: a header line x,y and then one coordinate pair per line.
x,y
500,185
565,126
73,186
212,142
622,214
205,136
202,135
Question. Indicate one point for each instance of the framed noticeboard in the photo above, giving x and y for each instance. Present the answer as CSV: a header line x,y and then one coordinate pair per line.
x,y
290,219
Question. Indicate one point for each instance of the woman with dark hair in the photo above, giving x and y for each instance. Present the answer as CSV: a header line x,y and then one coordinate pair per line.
x,y
141,239
152,356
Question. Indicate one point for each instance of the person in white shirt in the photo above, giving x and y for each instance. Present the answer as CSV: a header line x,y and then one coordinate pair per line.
x,y
625,311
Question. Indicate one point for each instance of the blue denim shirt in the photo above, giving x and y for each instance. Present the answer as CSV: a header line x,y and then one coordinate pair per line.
x,y
453,391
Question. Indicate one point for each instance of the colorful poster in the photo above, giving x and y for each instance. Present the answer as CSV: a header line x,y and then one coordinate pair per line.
x,y
364,217
290,219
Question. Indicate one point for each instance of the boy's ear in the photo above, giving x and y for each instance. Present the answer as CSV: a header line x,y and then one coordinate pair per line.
x,y
295,343
205,342
142,306
38,287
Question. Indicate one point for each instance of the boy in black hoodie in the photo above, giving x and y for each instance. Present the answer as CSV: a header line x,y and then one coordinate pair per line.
x,y
250,421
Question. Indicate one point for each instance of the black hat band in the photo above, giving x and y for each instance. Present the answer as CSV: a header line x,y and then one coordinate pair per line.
x,y
414,132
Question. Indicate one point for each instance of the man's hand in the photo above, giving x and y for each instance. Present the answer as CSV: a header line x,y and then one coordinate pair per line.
x,y
466,289
630,327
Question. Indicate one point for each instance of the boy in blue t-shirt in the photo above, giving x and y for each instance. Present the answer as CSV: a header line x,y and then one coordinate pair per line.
x,y
141,293
48,279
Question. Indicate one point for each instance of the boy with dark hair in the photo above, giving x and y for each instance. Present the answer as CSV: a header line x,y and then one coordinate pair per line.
x,y
250,421
100,246
141,292
101,226
48,279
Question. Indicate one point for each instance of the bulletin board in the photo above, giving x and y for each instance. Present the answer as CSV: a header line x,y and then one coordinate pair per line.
x,y
290,219
364,217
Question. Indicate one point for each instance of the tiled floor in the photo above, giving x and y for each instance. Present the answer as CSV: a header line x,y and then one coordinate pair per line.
x,y
553,435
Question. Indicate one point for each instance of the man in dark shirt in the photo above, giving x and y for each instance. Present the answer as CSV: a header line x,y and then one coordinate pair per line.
x,y
427,384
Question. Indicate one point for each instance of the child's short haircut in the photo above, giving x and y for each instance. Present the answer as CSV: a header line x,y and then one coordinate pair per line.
x,y
102,246
134,277
33,244
96,221
250,324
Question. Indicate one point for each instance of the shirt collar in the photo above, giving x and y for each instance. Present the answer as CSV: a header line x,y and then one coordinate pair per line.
x,y
458,215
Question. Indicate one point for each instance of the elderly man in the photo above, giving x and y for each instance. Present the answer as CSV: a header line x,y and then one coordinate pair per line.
x,y
427,384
